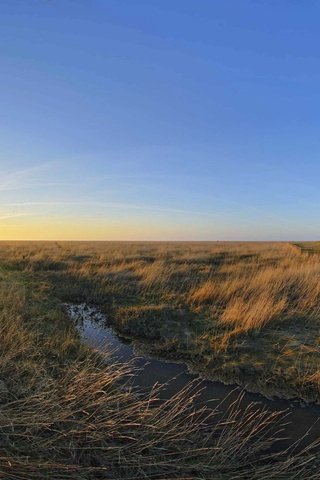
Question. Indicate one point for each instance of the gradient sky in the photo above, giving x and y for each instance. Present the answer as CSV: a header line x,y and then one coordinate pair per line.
x,y
160,119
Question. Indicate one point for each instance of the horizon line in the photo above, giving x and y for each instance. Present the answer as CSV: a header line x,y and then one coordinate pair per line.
x,y
162,241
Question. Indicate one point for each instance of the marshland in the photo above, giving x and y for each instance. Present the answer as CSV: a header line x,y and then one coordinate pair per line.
x,y
159,240
243,317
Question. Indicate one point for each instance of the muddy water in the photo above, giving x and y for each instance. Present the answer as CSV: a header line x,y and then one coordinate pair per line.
x,y
303,420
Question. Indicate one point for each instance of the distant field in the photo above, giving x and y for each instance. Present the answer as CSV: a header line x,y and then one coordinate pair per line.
x,y
308,247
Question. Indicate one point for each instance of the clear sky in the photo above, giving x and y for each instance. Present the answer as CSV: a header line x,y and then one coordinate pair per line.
x,y
160,119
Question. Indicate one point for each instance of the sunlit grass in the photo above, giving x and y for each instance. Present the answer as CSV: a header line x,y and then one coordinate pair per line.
x,y
230,309
66,413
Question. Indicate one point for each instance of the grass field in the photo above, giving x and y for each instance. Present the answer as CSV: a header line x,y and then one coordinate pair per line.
x,y
246,313
241,312
308,247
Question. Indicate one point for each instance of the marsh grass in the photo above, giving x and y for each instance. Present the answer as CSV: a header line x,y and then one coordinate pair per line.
x,y
66,413
230,309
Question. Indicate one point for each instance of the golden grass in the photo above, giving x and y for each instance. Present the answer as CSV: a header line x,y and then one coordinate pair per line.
x,y
255,278
253,313
249,298
66,414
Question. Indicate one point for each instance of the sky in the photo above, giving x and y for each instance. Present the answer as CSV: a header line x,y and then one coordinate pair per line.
x,y
159,120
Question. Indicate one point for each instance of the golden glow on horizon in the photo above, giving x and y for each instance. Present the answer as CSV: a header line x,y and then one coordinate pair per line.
x,y
111,227
27,228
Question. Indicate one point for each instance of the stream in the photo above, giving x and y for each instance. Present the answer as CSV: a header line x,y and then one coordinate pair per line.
x,y
303,420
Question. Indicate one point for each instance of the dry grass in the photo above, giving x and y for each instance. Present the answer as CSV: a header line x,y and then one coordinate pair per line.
x,y
65,414
252,299
253,295
253,313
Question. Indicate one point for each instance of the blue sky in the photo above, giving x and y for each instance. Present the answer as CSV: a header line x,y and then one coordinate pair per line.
x,y
159,119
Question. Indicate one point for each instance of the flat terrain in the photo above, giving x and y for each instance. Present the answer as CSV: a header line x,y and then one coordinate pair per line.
x,y
246,313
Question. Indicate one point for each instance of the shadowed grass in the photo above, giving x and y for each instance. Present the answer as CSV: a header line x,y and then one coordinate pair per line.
x,y
66,414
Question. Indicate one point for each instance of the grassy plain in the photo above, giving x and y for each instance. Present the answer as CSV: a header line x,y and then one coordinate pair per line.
x,y
242,312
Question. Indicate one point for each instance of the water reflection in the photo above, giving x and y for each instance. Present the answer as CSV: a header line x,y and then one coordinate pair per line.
x,y
94,331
